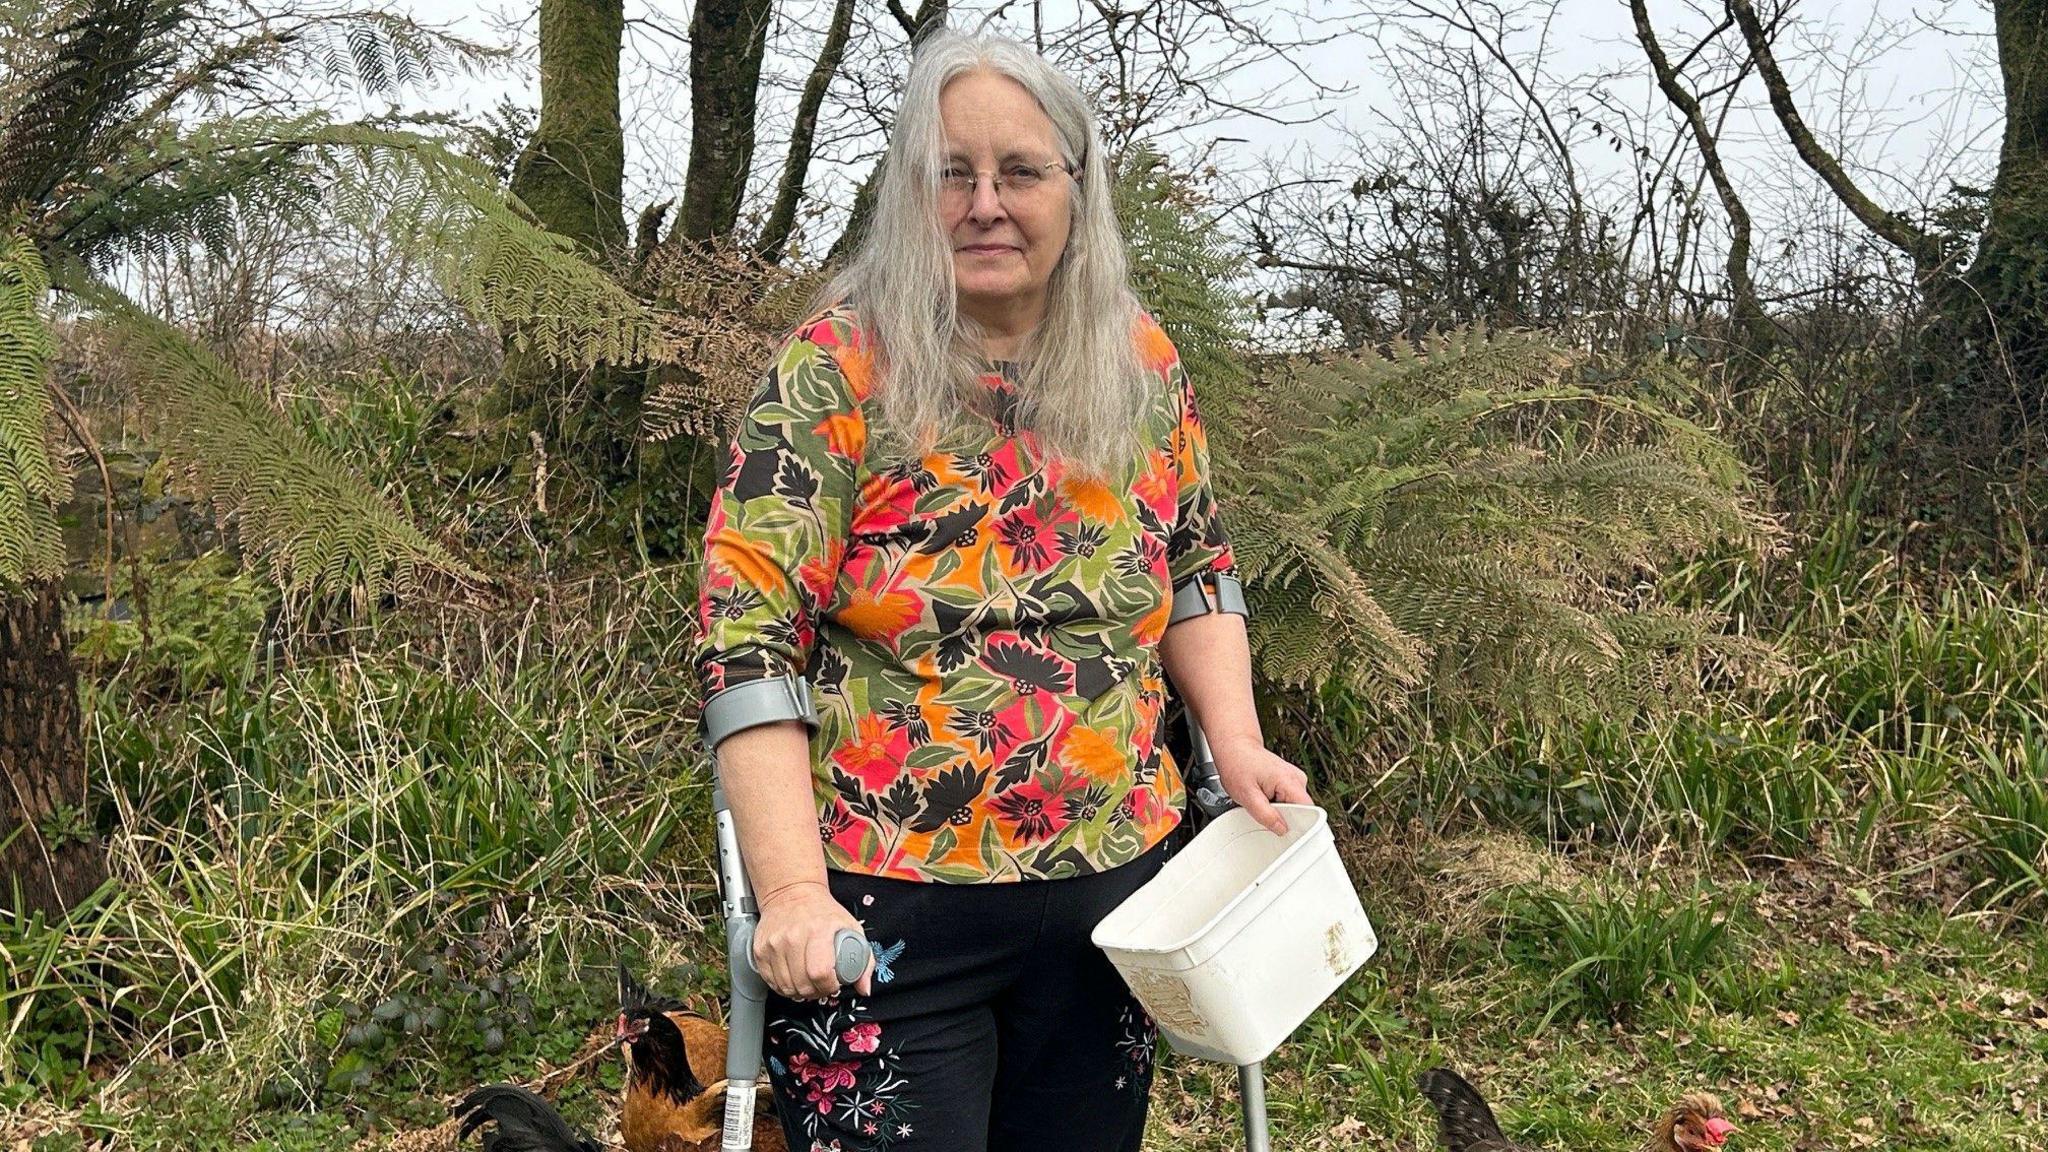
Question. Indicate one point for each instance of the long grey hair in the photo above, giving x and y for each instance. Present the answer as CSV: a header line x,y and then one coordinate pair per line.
x,y
1084,389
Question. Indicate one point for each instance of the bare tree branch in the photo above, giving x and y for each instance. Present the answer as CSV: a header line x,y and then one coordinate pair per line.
x,y
1748,314
782,218
1894,229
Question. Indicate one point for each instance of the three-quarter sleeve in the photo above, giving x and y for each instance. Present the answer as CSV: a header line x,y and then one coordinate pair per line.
x,y
778,524
1197,545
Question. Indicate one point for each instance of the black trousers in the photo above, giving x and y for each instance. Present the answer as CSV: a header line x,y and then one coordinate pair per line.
x,y
995,1026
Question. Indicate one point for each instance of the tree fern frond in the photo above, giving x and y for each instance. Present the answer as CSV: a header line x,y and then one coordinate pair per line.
x,y
31,486
321,529
105,54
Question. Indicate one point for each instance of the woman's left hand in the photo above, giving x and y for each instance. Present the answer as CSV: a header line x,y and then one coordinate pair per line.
x,y
1255,778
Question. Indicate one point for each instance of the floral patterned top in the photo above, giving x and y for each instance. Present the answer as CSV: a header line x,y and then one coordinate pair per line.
x,y
979,630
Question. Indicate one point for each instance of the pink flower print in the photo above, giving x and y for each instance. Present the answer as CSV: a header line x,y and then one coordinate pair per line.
x,y
869,1128
875,1106
822,1097
863,1037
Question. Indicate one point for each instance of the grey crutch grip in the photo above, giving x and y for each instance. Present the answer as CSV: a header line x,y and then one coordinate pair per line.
x,y
747,1017
1203,779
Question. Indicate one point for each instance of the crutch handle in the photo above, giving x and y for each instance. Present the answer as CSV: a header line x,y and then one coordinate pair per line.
x,y
747,1018
1203,779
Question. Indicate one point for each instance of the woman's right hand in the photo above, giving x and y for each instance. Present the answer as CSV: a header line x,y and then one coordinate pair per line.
x,y
793,942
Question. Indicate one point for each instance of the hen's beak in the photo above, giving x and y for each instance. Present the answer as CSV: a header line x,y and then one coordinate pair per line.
x,y
1718,1130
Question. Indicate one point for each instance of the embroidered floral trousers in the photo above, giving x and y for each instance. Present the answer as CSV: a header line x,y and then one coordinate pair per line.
x,y
994,1026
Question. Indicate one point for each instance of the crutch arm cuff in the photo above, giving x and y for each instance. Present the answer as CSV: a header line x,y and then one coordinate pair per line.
x,y
754,703
1205,593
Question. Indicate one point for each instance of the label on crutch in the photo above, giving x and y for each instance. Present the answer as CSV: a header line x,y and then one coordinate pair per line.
x,y
739,1117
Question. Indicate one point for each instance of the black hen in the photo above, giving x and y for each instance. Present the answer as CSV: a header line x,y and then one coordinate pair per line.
x,y
1463,1119
524,1122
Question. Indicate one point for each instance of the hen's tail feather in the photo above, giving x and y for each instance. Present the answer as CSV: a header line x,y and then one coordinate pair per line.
x,y
634,996
1463,1119
525,1122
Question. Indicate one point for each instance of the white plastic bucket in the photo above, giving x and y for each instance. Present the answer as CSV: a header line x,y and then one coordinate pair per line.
x,y
1241,935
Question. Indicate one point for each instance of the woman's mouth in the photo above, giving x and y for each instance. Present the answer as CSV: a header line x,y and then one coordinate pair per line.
x,y
988,249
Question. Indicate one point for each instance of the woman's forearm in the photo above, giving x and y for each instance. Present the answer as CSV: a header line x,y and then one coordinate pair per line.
x,y
766,771
1209,660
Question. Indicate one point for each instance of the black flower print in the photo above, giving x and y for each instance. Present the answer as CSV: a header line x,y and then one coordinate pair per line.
x,y
735,604
906,714
985,467
1028,811
835,821
1085,804
950,797
983,726
1082,541
953,529
1026,539
1030,670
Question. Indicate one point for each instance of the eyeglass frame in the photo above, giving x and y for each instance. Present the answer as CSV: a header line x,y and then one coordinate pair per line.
x,y
995,179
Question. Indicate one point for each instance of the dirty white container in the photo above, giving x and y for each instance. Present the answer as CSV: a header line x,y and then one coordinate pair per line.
x,y
1241,935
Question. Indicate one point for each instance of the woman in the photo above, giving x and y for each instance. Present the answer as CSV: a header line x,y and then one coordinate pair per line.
x,y
965,524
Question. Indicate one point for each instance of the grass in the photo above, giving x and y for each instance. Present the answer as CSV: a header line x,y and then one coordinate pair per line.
x,y
356,874
1822,1019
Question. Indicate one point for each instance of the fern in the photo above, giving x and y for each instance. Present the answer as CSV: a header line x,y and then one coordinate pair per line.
x,y
31,487
1475,515
320,528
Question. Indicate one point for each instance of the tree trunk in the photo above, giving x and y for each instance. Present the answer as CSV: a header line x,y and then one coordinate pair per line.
x,y
2010,274
45,853
573,171
727,41
572,175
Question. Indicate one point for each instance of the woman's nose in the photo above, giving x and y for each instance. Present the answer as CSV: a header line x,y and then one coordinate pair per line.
x,y
985,205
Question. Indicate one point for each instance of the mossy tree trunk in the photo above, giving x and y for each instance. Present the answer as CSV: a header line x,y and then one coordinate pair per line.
x,y
573,171
47,852
2010,274
727,41
572,175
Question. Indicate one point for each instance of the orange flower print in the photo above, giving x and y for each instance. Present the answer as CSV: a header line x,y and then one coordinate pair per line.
x,y
1094,500
1155,346
869,754
819,573
857,364
745,559
1094,753
1152,626
845,433
880,614
1154,488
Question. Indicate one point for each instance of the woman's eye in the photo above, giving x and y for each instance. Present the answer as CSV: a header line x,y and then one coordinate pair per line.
x,y
1020,174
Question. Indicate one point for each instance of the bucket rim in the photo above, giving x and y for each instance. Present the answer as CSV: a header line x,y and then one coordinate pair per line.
x,y
1320,824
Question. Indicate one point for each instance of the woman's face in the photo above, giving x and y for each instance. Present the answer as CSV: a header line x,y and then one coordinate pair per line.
x,y
1004,246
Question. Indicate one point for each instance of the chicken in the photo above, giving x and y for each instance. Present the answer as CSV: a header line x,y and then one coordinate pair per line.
x,y
667,1107
1466,1124
670,1056
523,1122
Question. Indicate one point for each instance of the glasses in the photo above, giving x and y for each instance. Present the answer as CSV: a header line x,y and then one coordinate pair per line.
x,y
1017,179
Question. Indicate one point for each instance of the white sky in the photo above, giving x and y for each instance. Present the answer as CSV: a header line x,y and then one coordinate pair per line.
x,y
1911,84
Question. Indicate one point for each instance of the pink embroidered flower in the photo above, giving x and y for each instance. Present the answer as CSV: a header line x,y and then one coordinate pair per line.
x,y
863,1037
822,1097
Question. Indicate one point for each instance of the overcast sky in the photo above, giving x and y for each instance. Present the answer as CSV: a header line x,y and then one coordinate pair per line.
x,y
1912,84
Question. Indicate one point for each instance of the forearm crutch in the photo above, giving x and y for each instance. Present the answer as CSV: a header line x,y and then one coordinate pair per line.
x,y
747,1018
1207,786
